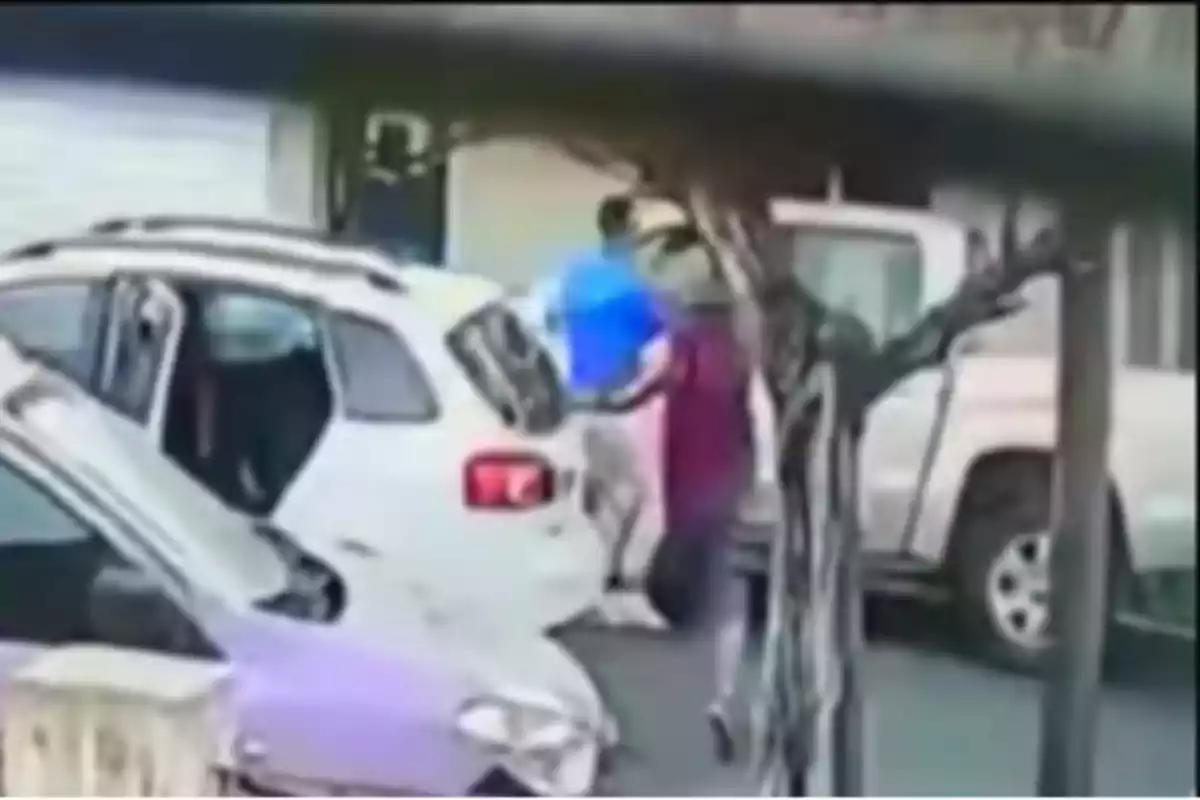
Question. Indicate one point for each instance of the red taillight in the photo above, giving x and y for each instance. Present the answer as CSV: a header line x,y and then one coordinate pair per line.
x,y
507,481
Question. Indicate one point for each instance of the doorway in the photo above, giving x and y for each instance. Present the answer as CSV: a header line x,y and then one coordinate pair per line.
x,y
385,187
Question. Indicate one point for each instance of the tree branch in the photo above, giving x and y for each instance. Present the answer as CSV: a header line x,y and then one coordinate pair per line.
x,y
983,296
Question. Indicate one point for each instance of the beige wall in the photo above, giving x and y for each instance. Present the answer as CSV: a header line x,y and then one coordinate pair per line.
x,y
516,207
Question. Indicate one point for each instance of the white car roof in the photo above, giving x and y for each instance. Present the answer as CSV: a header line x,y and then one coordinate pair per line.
x,y
337,284
447,295
298,242
654,214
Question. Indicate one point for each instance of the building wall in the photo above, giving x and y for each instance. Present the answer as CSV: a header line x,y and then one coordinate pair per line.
x,y
74,152
296,164
516,208
1160,294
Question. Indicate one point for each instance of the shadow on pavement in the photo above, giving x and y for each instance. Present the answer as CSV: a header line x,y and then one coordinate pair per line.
x,y
940,722
1135,660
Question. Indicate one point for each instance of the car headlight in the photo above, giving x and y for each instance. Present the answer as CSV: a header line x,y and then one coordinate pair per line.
x,y
536,740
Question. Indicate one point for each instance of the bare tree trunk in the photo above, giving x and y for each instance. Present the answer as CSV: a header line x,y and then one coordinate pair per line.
x,y
776,322
1080,556
1028,41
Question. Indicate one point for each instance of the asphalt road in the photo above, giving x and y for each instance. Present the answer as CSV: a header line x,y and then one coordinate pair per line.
x,y
938,722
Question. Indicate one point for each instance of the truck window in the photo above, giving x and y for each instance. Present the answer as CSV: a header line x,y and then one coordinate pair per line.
x,y
872,273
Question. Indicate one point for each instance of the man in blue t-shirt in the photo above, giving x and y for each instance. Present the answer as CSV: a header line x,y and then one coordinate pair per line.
x,y
604,309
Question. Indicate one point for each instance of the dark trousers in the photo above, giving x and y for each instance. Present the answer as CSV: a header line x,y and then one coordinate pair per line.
x,y
691,573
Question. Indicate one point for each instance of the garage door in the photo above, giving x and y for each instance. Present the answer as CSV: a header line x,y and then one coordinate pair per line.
x,y
72,153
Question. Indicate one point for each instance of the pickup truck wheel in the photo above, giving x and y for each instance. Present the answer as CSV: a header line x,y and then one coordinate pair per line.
x,y
1001,568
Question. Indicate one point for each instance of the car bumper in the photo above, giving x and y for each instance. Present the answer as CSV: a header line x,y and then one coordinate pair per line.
x,y
495,783
498,783
321,752
567,577
515,577
267,781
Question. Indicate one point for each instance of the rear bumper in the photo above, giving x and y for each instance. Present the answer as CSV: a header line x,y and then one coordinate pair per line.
x,y
527,579
570,580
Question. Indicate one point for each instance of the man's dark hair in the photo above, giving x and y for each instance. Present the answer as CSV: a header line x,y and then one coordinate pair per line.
x,y
615,216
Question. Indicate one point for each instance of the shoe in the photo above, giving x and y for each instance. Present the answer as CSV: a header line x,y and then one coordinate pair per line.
x,y
723,745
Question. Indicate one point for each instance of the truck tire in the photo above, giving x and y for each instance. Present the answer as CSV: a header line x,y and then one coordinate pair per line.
x,y
1000,559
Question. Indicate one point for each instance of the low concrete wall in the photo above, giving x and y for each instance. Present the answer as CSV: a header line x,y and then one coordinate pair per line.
x,y
88,721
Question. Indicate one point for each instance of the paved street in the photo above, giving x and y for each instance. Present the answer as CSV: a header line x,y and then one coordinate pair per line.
x,y
939,724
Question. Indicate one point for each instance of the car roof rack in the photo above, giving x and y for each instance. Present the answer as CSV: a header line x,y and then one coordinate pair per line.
x,y
164,222
321,266
290,234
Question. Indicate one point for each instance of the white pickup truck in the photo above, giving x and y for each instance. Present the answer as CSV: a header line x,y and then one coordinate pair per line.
x,y
979,436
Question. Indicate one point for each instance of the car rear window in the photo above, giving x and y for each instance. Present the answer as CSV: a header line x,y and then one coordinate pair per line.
x,y
382,381
511,369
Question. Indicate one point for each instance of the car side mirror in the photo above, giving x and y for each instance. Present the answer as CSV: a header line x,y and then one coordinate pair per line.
x,y
127,609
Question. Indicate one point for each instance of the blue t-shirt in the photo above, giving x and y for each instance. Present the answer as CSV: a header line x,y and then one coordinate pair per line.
x,y
608,313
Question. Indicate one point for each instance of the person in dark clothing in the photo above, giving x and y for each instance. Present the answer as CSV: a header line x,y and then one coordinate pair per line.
x,y
399,207
719,480
707,447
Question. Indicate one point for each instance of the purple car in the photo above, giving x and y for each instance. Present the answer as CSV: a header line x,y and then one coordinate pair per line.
x,y
319,712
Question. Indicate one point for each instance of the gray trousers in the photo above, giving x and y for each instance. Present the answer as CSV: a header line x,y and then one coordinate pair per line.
x,y
744,551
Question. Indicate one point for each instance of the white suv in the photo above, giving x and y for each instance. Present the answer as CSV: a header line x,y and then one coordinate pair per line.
x,y
406,417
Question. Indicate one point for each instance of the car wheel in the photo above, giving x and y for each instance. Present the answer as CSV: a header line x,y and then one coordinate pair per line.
x,y
1001,569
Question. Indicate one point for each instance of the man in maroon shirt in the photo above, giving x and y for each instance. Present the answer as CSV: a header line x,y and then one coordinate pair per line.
x,y
713,475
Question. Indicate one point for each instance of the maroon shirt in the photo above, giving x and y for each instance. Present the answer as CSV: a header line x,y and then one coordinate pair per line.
x,y
708,434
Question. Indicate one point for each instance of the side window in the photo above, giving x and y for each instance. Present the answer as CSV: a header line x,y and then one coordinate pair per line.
x,y
57,321
246,327
381,378
51,564
47,561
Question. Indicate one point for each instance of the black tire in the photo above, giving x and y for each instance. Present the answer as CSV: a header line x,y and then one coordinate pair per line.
x,y
677,582
1000,504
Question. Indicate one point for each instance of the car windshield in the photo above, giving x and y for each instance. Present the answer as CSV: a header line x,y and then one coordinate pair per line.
x,y
213,545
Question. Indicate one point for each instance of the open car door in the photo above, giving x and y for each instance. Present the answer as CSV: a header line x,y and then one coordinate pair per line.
x,y
141,350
